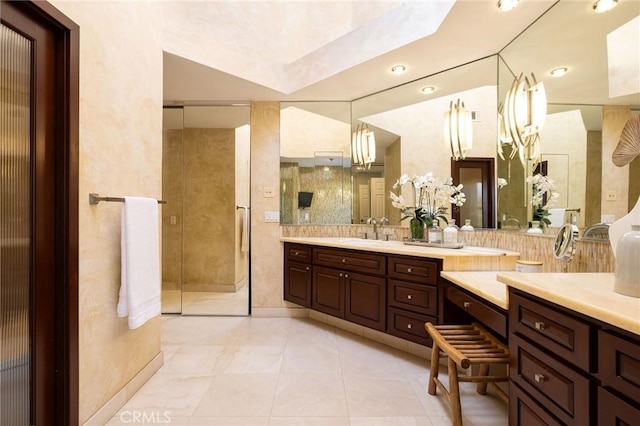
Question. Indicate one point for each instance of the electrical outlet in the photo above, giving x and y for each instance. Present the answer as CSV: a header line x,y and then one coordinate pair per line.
x,y
173,220
272,217
268,192
608,218
612,196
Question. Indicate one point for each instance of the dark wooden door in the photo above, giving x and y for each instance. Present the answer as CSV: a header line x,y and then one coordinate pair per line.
x,y
477,176
366,300
297,283
48,103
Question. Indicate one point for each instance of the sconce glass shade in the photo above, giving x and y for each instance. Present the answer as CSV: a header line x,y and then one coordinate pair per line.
x,y
601,6
363,146
458,129
506,5
525,110
504,136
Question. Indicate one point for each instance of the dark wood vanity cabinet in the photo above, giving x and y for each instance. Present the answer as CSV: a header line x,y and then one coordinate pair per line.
x,y
298,274
412,297
390,293
569,369
350,285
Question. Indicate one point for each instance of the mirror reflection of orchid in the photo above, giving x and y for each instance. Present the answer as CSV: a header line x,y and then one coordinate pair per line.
x,y
430,198
544,197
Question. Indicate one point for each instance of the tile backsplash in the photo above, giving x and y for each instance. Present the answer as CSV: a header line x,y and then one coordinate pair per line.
x,y
590,256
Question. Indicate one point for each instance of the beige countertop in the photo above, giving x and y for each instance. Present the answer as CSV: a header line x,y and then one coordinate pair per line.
x,y
467,258
590,294
483,284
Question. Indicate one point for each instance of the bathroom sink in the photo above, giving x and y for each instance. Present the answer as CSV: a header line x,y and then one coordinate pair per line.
x,y
485,250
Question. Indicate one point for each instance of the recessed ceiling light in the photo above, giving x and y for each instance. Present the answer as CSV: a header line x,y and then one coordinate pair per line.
x,y
604,5
559,72
428,89
506,5
398,69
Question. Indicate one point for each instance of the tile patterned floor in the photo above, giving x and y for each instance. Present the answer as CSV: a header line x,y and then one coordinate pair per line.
x,y
244,371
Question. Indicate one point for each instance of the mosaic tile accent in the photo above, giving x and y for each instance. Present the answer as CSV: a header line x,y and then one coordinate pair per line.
x,y
590,256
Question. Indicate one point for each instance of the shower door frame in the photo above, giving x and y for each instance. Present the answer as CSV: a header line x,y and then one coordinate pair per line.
x,y
54,209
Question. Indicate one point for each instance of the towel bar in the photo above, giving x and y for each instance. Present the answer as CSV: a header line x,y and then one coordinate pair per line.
x,y
96,198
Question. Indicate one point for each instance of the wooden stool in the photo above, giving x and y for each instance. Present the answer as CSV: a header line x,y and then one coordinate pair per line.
x,y
465,345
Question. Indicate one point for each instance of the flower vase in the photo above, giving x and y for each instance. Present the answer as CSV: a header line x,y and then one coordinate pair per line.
x,y
417,229
535,228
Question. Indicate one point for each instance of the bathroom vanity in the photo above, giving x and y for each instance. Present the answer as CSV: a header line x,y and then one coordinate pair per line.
x,y
384,285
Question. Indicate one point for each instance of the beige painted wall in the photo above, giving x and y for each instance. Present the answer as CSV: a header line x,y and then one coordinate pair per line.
x,y
120,154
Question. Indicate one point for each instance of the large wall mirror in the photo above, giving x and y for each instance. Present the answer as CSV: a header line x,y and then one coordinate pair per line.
x,y
587,109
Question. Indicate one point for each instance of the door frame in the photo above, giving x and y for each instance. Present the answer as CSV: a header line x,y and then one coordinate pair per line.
x,y
60,403
487,165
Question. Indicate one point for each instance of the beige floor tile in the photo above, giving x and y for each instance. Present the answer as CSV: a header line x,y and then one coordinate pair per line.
x,y
374,397
311,358
229,421
175,394
254,360
239,395
301,395
390,421
195,359
309,421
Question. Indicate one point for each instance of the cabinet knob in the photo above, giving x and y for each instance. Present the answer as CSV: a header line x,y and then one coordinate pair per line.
x,y
344,260
297,253
341,274
539,325
467,304
409,270
307,268
409,326
539,378
409,296
346,275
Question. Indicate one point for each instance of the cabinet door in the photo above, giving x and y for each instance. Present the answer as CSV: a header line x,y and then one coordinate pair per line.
x,y
328,291
613,411
366,300
297,283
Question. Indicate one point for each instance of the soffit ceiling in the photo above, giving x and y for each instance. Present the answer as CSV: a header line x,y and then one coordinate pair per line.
x,y
326,50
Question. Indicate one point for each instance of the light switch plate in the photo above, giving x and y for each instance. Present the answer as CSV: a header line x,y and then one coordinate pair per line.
x,y
268,192
272,217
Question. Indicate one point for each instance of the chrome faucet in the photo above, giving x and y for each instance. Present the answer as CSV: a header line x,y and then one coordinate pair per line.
x,y
374,222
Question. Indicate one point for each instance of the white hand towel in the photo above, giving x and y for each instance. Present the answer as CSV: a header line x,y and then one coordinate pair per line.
x,y
556,216
140,280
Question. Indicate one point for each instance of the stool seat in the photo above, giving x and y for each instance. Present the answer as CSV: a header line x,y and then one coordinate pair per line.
x,y
465,346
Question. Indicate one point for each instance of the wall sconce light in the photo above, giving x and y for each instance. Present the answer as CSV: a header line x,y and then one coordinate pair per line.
x,y
525,110
398,69
458,129
601,6
506,5
363,146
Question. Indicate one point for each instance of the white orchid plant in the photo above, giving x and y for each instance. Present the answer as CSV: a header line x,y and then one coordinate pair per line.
x,y
544,196
430,197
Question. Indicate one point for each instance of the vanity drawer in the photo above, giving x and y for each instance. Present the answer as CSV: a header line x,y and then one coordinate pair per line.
x,y
413,269
524,411
350,260
613,411
492,317
418,298
409,325
619,364
565,392
562,334
297,252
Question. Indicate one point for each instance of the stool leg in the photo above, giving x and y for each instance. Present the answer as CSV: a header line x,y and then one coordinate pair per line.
x,y
454,394
435,365
482,386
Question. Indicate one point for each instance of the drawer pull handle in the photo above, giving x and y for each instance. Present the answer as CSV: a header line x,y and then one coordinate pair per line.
x,y
539,378
409,270
540,325
346,275
344,260
409,326
467,304
341,274
307,268
409,296
297,253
